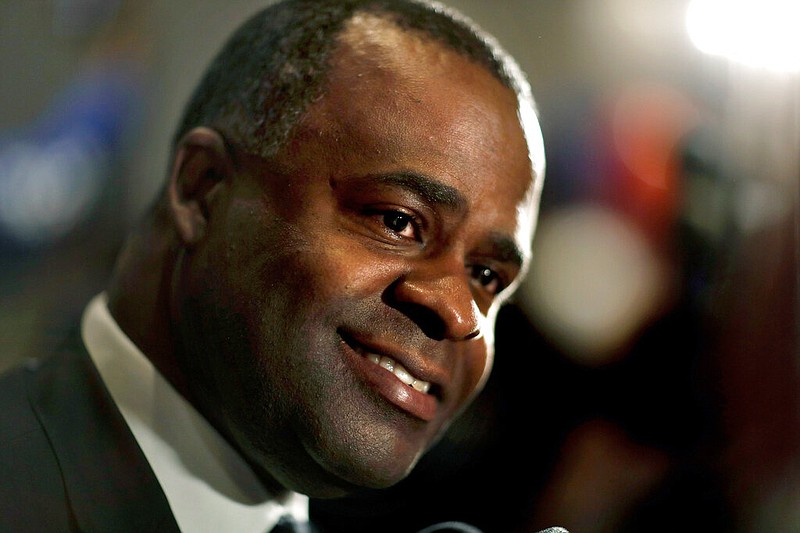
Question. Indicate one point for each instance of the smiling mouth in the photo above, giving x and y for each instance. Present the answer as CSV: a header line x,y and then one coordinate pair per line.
x,y
399,371
390,365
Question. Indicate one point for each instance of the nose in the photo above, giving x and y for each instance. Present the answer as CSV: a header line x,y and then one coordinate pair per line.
x,y
440,301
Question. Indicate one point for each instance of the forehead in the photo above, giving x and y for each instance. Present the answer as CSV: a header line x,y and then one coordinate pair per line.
x,y
396,76
397,100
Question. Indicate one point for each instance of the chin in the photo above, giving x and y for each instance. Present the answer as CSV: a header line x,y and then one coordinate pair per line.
x,y
365,473
332,485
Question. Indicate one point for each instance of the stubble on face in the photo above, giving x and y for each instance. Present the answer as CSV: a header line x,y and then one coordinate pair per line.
x,y
296,258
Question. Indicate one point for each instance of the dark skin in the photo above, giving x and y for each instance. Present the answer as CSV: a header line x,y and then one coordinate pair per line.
x,y
392,228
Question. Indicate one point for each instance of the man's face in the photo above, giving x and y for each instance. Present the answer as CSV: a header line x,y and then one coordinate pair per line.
x,y
340,311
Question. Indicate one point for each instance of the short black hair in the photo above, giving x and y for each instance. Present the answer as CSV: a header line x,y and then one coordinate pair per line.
x,y
270,70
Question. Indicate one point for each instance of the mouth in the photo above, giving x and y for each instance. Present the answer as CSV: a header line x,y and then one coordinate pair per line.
x,y
399,371
394,380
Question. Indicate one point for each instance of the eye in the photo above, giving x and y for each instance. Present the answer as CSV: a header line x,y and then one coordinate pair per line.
x,y
487,278
400,223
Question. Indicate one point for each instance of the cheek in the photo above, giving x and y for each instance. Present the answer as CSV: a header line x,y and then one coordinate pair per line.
x,y
334,267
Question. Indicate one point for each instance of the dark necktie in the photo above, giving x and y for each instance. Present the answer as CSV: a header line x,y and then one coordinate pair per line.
x,y
288,524
461,527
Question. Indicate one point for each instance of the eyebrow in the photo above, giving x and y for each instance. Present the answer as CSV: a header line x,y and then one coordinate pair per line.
x,y
431,190
503,247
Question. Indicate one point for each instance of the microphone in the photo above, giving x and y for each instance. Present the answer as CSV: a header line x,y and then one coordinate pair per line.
x,y
447,527
461,527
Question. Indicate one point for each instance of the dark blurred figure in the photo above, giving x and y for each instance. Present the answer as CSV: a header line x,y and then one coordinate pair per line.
x,y
62,175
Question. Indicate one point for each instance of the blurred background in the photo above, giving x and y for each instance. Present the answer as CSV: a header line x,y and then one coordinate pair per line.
x,y
646,376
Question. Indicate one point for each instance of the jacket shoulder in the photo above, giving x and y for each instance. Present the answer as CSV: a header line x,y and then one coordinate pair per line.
x,y
32,497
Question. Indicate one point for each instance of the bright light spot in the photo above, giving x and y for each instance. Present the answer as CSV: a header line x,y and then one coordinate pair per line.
x,y
595,281
758,33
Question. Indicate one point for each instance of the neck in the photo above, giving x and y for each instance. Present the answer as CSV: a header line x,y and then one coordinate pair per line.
x,y
139,295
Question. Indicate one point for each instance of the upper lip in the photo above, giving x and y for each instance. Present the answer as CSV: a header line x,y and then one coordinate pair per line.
x,y
414,361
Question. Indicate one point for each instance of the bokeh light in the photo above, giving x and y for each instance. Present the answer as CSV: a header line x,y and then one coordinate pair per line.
x,y
758,33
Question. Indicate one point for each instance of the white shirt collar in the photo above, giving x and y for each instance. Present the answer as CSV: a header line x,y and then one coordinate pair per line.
x,y
208,485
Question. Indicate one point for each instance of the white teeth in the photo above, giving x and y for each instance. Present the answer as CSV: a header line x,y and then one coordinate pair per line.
x,y
403,375
387,363
399,371
422,386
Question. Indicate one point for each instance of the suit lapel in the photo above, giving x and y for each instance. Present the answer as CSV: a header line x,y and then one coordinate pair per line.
x,y
109,484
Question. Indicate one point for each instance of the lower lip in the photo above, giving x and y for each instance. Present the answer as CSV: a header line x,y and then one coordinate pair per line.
x,y
413,402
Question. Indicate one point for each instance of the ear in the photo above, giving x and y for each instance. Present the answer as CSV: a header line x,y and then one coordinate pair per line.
x,y
201,163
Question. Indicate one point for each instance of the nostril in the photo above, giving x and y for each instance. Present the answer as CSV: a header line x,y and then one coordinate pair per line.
x,y
426,319
473,334
441,306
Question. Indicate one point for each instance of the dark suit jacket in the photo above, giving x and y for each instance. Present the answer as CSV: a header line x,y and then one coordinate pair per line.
x,y
68,461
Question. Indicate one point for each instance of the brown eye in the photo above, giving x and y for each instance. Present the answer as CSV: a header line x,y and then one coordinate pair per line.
x,y
487,278
399,223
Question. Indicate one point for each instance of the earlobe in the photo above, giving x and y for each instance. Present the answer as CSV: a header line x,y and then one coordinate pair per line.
x,y
200,164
